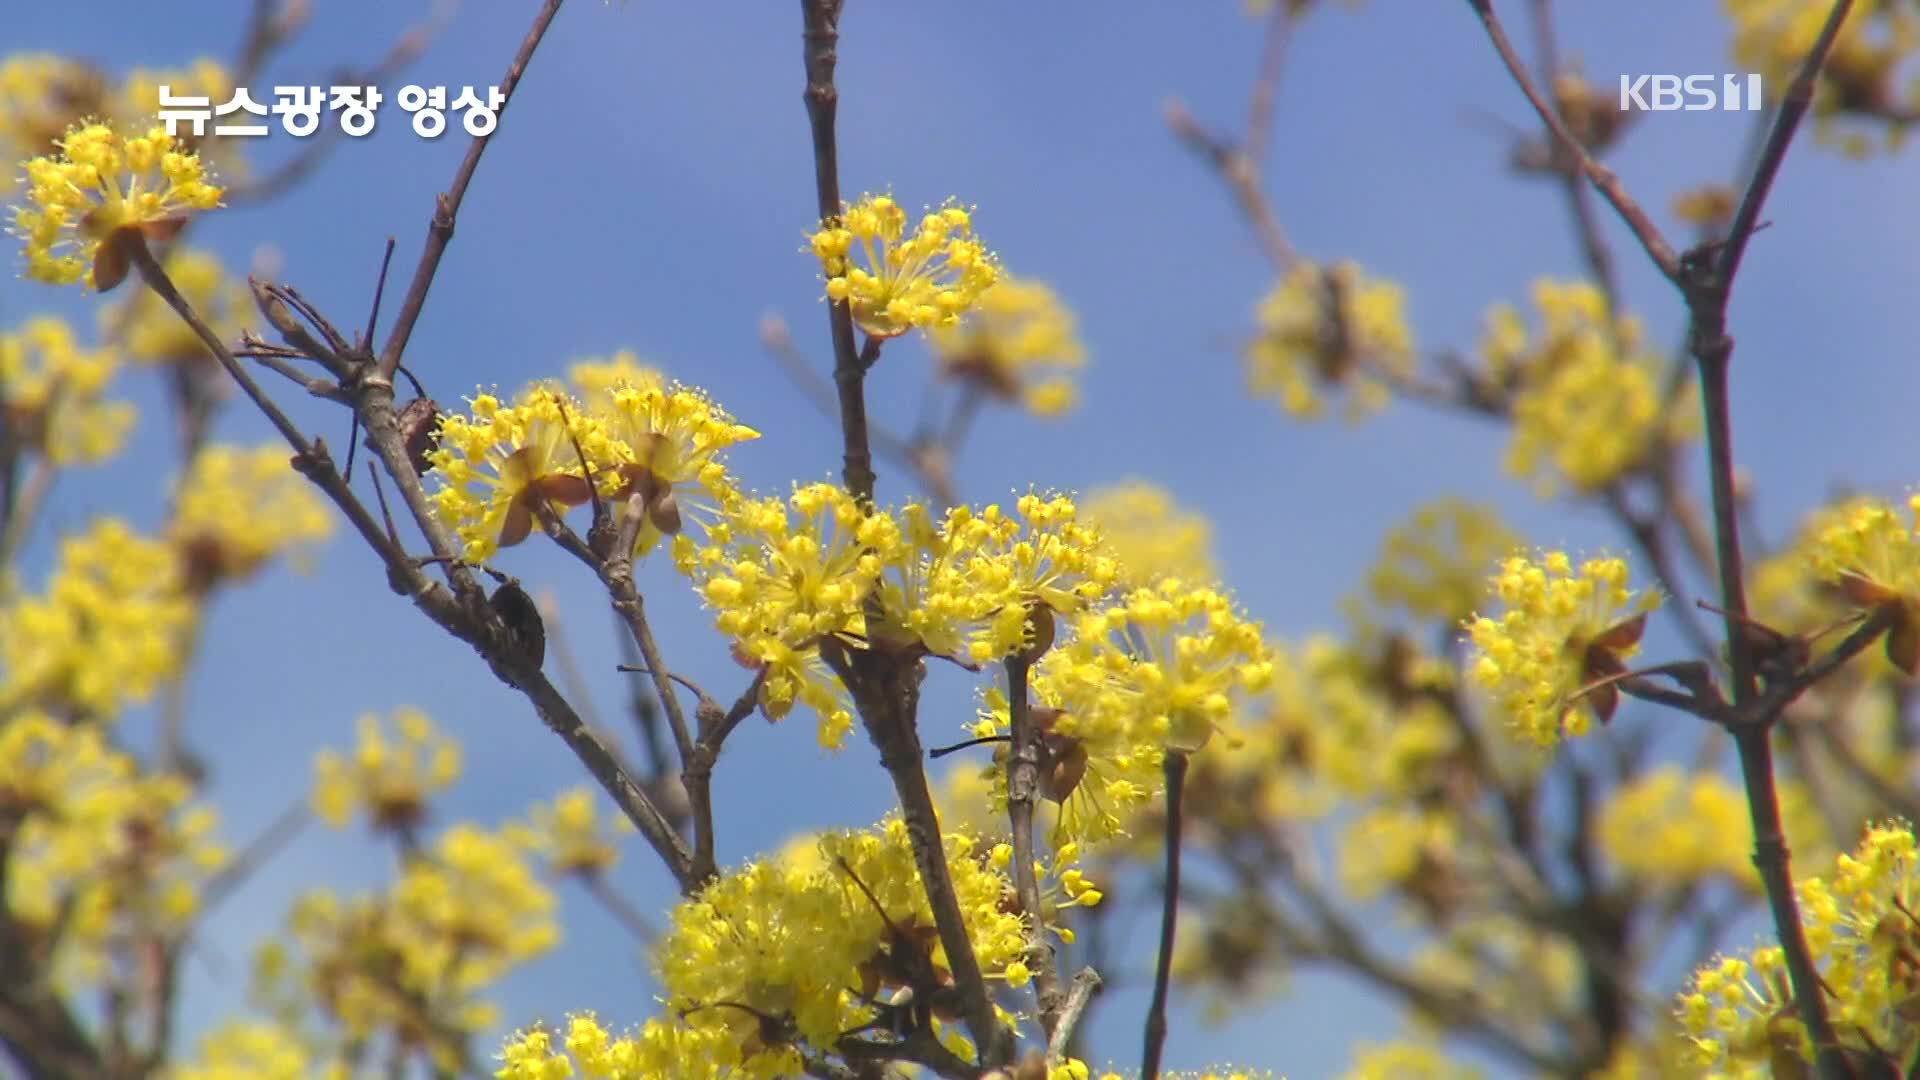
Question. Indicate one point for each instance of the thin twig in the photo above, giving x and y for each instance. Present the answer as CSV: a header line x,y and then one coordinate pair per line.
x,y
1601,177
156,278
1705,278
1242,177
1156,1026
24,508
885,688
258,851
447,206
1593,246
1085,984
1023,781
456,614
1707,283
821,38
1266,84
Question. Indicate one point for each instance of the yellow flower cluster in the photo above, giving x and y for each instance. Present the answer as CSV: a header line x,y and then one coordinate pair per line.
x,y
783,575
106,632
1325,329
1794,589
97,848
138,103
1503,965
1160,668
1172,657
43,95
1584,392
893,281
154,333
1860,77
571,835
1862,929
236,509
1391,846
1873,555
1433,564
54,394
1407,1059
1150,534
1560,633
391,780
1366,733
1676,829
256,1051
594,379
657,1049
101,184
505,467
1017,344
775,958
410,964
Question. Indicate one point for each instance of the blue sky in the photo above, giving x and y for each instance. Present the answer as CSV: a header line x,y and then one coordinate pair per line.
x,y
650,188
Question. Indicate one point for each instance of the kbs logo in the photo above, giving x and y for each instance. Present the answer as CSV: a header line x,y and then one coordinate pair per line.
x,y
1691,93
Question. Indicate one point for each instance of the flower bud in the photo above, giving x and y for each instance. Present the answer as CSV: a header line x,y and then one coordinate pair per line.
x,y
664,512
274,309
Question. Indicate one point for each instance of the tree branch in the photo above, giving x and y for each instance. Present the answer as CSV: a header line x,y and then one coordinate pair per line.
x,y
447,206
1023,775
1156,1027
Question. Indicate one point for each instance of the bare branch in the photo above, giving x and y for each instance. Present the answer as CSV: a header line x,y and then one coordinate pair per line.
x,y
1601,177
1156,1027
447,206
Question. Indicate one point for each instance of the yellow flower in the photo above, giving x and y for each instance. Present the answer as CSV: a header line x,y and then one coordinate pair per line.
x,y
54,393
1433,564
106,632
1861,928
595,379
1585,395
505,466
236,509
139,104
1560,632
892,281
1151,534
100,185
572,836
1674,829
669,439
1015,571
1406,1059
41,96
1861,78
391,780
249,1051
412,963
97,847
1159,669
1326,329
660,1048
781,575
775,958
1016,345
1874,557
